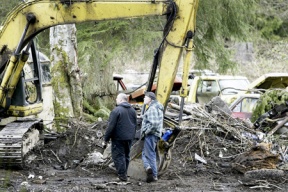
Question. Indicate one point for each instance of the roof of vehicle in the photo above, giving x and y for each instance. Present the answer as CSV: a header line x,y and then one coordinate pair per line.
x,y
217,77
246,95
198,72
270,80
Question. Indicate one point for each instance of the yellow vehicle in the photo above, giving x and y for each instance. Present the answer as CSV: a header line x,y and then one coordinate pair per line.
x,y
243,105
204,88
33,16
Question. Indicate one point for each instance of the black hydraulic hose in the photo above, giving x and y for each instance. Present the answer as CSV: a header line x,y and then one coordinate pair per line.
x,y
170,20
136,88
153,70
168,25
31,18
38,73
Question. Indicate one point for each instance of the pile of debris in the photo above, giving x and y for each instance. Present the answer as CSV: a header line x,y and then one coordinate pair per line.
x,y
212,138
215,134
78,145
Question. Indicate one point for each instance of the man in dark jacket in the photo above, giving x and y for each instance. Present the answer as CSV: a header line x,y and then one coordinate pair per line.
x,y
121,130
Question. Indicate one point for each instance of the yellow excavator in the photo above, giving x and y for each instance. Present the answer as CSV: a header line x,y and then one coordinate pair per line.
x,y
31,17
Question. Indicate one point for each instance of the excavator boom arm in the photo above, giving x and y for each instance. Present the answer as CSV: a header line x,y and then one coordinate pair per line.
x,y
49,13
33,16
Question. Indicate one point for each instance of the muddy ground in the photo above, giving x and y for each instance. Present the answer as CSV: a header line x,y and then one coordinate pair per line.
x,y
61,165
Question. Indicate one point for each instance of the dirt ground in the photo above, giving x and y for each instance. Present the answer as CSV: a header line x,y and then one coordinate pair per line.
x,y
61,165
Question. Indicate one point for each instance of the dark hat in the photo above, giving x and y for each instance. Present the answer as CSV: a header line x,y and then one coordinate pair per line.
x,y
151,95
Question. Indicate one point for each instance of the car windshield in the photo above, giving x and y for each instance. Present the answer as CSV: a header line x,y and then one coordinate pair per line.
x,y
246,105
233,86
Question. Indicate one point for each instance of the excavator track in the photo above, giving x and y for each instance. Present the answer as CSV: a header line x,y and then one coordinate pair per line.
x,y
17,139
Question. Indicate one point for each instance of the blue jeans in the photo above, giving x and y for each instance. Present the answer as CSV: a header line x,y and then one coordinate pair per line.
x,y
120,154
149,157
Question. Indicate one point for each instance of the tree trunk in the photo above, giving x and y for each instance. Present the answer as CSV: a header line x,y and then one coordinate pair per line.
x,y
66,81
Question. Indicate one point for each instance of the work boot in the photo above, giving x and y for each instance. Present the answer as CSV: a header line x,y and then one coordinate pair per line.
x,y
149,173
122,178
155,179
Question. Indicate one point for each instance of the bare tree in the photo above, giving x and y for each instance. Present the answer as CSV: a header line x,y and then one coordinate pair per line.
x,y
65,72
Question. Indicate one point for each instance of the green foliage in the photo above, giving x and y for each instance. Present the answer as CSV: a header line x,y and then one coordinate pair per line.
x,y
101,42
217,22
89,118
272,19
43,42
268,26
59,82
268,100
103,112
7,6
282,31
113,46
6,181
96,110
88,107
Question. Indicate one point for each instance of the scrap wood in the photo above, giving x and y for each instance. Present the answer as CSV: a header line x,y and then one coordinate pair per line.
x,y
56,156
277,127
218,187
258,157
177,107
118,183
208,133
180,178
263,184
206,143
283,153
223,120
39,181
235,122
260,186
195,128
99,186
221,117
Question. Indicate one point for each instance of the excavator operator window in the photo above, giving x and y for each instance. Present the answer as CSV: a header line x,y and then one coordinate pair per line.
x,y
30,87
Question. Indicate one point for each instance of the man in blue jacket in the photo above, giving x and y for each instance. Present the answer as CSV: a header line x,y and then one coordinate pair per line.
x,y
151,130
121,130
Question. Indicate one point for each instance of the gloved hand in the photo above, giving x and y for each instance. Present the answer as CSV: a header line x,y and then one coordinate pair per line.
x,y
104,144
